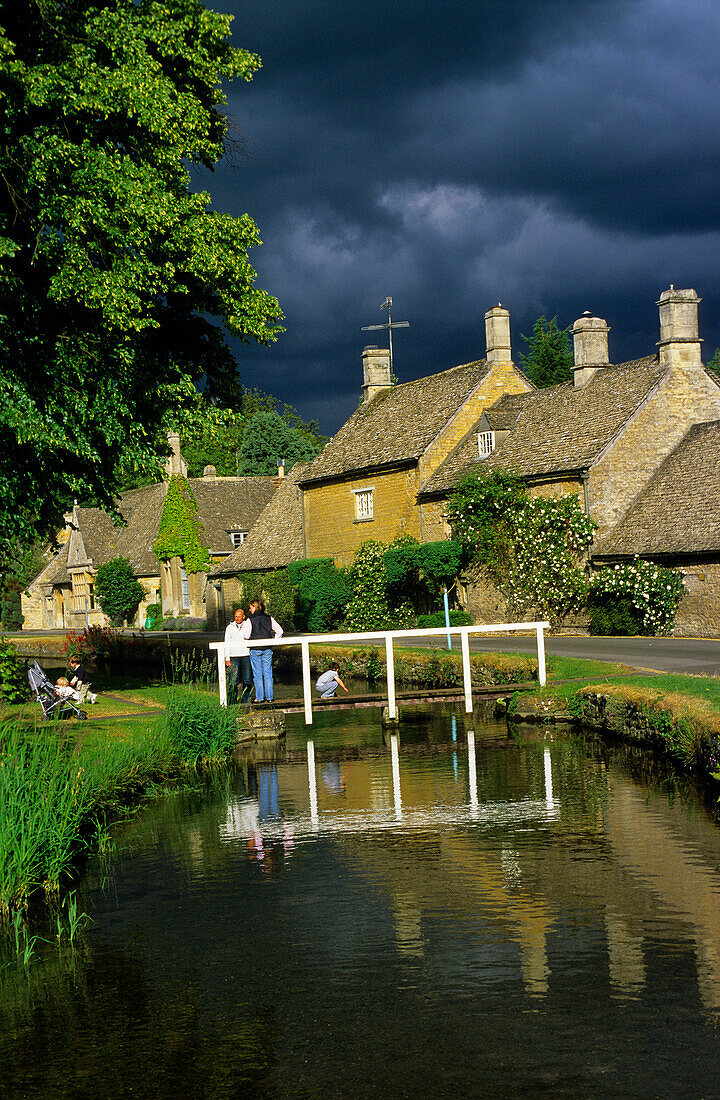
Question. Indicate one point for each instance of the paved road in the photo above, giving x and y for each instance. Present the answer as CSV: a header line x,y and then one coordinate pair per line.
x,y
700,656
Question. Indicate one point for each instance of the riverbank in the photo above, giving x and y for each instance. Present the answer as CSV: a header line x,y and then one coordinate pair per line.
x,y
62,783
676,716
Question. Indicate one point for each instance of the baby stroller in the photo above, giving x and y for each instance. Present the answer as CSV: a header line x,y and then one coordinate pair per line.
x,y
52,703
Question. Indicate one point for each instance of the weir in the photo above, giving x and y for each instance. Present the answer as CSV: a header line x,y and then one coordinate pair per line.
x,y
388,637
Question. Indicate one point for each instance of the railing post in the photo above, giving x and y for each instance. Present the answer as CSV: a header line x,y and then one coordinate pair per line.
x,y
307,687
390,663
219,648
540,633
467,682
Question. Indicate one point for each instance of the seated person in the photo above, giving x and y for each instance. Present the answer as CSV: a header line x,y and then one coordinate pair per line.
x,y
327,684
62,687
80,680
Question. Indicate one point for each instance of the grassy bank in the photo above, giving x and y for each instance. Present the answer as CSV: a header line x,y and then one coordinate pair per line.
x,y
60,784
673,714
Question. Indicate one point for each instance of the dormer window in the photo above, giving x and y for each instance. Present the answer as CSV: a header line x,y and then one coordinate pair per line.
x,y
238,538
486,443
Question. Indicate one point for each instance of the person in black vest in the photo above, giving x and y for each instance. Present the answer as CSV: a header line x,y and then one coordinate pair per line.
x,y
261,625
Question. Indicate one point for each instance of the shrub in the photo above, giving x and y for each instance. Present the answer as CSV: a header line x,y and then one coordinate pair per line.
x,y
279,597
636,598
103,644
118,592
368,609
199,727
183,622
13,674
437,618
322,593
153,615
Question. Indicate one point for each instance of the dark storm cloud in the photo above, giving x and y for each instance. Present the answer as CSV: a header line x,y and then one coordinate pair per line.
x,y
556,155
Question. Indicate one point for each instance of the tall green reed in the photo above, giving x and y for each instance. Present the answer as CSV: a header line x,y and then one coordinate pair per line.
x,y
199,728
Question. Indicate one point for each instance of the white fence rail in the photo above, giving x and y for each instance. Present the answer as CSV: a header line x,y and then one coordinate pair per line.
x,y
389,636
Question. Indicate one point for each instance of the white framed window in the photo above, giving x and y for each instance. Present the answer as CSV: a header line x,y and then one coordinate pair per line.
x,y
238,538
185,589
486,443
363,503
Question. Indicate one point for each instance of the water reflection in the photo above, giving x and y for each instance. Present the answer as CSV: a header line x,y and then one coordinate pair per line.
x,y
447,912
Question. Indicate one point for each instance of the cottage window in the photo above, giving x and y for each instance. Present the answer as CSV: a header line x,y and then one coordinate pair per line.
x,y
238,538
486,443
185,589
363,504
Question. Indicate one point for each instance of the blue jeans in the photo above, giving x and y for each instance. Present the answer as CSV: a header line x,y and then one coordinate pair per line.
x,y
240,672
261,661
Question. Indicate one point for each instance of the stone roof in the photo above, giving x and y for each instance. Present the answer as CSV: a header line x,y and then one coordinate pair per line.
x,y
224,504
398,424
229,504
556,429
277,537
678,512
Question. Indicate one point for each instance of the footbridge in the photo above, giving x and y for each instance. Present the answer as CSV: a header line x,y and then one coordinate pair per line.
x,y
388,638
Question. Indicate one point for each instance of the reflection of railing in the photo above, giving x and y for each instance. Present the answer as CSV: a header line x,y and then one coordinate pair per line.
x,y
389,637
523,810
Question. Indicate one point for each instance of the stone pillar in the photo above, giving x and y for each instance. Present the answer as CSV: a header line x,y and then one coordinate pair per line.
x,y
590,345
376,371
497,335
679,342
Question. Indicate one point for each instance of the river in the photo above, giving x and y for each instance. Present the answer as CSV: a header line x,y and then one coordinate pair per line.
x,y
510,913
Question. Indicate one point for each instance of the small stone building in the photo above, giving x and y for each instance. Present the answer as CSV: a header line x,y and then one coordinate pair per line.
x,y
63,596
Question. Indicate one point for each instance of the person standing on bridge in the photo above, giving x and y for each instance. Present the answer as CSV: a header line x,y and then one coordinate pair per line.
x,y
237,659
261,625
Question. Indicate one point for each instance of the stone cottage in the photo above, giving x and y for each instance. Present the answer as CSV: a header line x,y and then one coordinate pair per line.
x,y
366,482
62,595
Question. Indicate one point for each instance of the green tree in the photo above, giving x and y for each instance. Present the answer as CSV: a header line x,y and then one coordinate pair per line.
x,y
267,440
117,591
550,360
118,284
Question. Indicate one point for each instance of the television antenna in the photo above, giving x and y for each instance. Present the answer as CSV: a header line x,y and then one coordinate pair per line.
x,y
389,325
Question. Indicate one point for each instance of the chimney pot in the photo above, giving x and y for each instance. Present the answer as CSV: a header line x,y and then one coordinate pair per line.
x,y
497,335
210,472
590,347
376,371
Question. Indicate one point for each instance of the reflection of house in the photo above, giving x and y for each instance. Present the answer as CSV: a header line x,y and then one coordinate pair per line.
x,y
275,539
63,594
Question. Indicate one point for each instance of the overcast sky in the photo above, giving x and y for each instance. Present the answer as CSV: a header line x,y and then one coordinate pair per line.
x,y
552,155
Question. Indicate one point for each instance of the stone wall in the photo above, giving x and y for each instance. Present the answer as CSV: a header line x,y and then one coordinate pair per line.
x,y
686,396
502,378
699,611
331,526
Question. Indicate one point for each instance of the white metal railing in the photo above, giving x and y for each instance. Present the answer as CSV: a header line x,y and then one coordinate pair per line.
x,y
389,637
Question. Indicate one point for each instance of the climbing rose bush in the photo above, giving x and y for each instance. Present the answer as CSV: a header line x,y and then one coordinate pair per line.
x,y
546,575
368,609
653,592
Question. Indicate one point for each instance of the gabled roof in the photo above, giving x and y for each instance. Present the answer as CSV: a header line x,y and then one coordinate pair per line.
x,y
224,504
398,424
557,429
276,538
229,504
678,512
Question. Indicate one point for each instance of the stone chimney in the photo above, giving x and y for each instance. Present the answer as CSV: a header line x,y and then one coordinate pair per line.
x,y
497,335
210,472
176,464
679,342
376,371
590,345
281,468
